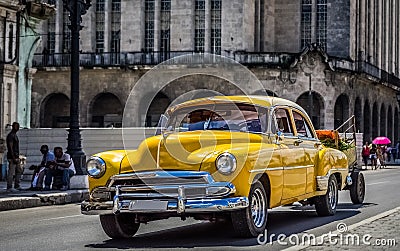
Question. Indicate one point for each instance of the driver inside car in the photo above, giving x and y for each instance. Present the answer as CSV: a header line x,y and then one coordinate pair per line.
x,y
217,122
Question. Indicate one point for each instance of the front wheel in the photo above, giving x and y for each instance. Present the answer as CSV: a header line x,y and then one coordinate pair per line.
x,y
357,189
326,204
119,226
252,221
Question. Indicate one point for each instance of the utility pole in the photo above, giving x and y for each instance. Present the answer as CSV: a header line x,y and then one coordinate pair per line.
x,y
76,9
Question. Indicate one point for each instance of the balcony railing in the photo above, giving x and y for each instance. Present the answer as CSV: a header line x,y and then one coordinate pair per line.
x,y
367,68
124,59
109,59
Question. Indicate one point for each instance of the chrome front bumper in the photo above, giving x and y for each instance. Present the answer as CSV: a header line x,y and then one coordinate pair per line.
x,y
189,206
174,192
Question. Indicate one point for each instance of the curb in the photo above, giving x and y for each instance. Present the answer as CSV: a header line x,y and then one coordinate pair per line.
x,y
38,200
303,245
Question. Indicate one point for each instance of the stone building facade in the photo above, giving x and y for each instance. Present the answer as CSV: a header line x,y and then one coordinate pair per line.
x,y
8,63
335,58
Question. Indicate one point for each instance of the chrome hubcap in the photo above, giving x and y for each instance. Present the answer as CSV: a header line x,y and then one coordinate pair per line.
x,y
258,207
332,195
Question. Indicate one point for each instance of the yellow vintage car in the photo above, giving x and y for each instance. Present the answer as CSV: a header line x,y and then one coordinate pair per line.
x,y
224,157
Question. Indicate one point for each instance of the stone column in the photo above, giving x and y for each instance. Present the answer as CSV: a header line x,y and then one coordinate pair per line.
x,y
378,44
398,39
207,39
371,31
361,28
182,25
107,24
157,25
132,25
394,38
386,15
29,76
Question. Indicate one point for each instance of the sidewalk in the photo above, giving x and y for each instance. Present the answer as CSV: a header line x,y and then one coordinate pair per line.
x,y
379,232
27,199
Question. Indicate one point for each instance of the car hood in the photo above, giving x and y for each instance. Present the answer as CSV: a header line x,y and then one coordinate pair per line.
x,y
183,151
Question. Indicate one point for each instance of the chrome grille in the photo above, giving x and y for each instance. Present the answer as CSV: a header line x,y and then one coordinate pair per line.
x,y
165,184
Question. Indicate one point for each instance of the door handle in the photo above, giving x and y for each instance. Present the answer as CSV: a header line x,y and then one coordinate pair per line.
x,y
317,144
298,142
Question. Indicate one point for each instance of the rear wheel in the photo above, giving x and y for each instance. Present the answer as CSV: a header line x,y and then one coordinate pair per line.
x,y
357,189
252,221
119,226
326,204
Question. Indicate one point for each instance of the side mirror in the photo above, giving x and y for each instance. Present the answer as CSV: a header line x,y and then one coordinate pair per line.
x,y
162,124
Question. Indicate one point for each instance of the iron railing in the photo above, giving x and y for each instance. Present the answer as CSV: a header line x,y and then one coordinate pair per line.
x,y
367,68
110,59
125,59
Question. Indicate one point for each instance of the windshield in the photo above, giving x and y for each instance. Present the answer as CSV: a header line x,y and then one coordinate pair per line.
x,y
227,117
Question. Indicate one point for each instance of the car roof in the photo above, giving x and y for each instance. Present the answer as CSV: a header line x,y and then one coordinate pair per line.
x,y
259,100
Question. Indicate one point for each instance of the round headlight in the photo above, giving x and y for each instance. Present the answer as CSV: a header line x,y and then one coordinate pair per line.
x,y
226,163
96,167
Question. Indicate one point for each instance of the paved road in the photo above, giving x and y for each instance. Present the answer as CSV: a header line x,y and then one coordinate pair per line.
x,y
64,228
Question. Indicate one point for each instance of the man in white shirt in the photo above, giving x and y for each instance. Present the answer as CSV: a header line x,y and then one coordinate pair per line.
x,y
64,166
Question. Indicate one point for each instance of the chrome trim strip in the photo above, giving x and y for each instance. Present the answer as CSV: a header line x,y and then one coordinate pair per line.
x,y
191,206
297,167
339,169
267,169
279,168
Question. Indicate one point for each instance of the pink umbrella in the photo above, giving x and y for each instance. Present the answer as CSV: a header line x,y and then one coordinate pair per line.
x,y
381,141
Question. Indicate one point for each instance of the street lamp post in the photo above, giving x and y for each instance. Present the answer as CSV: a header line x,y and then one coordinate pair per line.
x,y
76,9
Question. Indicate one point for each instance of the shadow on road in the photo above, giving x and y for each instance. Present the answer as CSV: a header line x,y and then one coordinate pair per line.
x,y
204,234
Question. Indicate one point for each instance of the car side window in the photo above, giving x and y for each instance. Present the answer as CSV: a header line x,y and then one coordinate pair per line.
x,y
302,127
283,121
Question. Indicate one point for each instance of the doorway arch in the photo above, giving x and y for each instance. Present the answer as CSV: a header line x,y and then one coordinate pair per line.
x,y
55,111
367,121
314,105
358,113
157,107
106,111
341,112
375,120
382,121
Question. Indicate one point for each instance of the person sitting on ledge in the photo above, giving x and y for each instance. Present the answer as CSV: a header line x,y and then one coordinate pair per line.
x,y
40,170
63,166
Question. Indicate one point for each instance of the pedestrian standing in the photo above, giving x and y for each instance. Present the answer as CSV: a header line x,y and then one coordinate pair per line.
x,y
394,154
14,166
388,153
373,156
365,154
